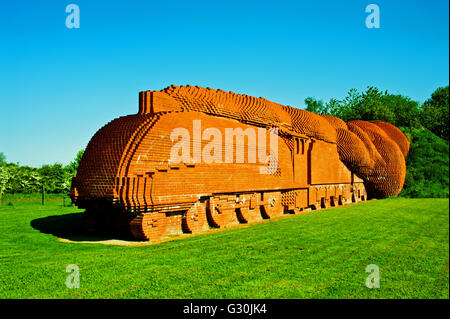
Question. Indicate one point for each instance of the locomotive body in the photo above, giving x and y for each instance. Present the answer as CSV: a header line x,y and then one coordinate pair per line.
x,y
195,158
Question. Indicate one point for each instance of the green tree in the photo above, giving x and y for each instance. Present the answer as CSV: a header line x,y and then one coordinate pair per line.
x,y
21,179
406,111
334,107
370,105
315,106
54,177
427,165
434,115
73,166
71,169
2,158
4,177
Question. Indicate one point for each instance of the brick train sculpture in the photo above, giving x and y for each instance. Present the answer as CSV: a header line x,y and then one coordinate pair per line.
x,y
168,169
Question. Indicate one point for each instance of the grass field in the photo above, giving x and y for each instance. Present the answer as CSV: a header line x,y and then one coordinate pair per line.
x,y
319,255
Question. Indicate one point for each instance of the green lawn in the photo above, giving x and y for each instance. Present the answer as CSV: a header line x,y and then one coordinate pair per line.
x,y
319,255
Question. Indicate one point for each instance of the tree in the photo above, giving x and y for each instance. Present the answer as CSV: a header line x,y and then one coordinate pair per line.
x,y
315,106
427,165
71,169
4,177
371,105
54,177
434,112
335,107
2,158
73,166
21,179
24,179
406,111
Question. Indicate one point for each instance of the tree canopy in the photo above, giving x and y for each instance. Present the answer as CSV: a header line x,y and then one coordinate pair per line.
x,y
370,105
434,113
55,178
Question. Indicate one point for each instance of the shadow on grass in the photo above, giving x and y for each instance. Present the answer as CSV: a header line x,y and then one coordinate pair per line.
x,y
74,227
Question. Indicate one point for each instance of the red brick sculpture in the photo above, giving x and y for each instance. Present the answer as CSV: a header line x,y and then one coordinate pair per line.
x,y
169,170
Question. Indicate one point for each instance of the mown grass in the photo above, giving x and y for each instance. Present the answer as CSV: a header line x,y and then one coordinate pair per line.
x,y
319,255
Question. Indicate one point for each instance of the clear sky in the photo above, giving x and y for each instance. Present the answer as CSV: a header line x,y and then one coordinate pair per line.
x,y
58,86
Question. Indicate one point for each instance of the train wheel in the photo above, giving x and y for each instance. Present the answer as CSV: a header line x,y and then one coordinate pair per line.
x,y
248,215
221,216
364,195
149,226
333,202
195,220
323,202
272,207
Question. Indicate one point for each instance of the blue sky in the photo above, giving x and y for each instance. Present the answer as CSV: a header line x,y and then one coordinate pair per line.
x,y
58,86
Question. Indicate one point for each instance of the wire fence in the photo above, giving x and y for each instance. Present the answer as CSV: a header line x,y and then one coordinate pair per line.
x,y
18,198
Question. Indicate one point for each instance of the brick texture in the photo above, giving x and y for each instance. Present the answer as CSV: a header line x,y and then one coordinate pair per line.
x,y
322,162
